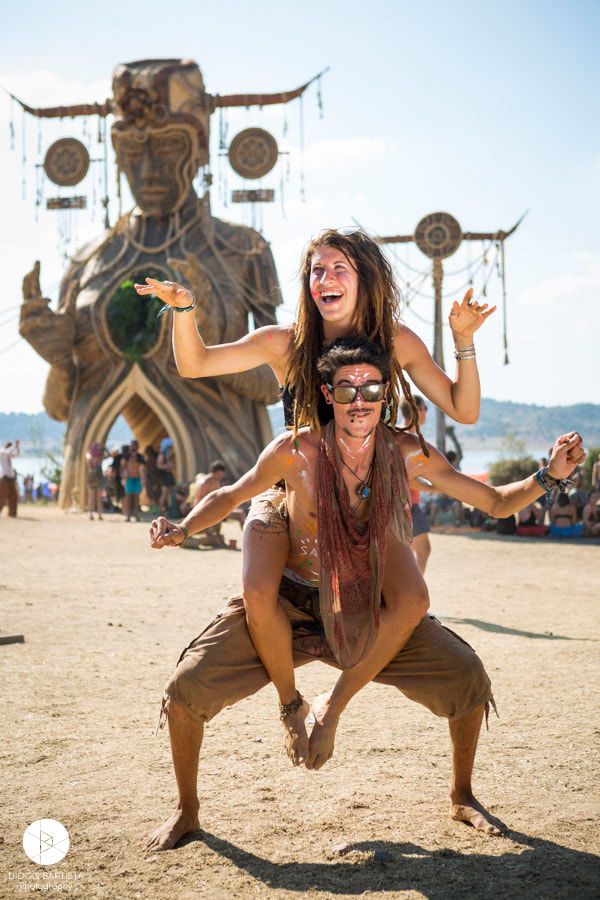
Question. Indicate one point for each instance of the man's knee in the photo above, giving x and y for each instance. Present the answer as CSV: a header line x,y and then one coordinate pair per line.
x,y
186,688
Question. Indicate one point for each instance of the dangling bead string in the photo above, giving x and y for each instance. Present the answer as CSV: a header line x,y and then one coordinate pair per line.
x,y
119,195
504,310
11,124
302,190
319,97
105,201
281,191
23,155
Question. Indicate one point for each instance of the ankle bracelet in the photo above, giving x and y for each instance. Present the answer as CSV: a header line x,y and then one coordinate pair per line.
x,y
288,709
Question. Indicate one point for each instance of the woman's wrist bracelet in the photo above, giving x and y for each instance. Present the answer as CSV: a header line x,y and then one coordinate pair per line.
x,y
177,309
469,353
186,531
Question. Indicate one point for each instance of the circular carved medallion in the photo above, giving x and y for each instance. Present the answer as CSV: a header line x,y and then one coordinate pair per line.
x,y
253,152
66,162
438,235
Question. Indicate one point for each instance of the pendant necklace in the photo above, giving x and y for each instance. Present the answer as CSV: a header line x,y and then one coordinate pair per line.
x,y
362,488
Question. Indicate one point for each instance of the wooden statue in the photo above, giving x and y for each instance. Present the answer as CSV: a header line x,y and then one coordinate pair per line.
x,y
108,352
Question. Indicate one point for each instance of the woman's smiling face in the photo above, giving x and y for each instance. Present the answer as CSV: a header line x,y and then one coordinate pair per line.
x,y
334,285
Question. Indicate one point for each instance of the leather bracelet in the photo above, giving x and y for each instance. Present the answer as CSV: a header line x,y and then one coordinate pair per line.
x,y
186,532
177,309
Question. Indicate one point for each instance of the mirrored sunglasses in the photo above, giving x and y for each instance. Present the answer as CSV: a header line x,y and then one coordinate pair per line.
x,y
346,393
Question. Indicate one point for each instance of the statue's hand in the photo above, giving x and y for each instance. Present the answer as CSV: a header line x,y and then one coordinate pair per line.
x,y
31,284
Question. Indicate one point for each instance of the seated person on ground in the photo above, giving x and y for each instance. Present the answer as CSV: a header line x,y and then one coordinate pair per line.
x,y
591,515
563,517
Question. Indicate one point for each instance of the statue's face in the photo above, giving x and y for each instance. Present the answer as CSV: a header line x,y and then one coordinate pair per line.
x,y
160,164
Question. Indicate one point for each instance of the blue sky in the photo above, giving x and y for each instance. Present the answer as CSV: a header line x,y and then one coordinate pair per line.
x,y
480,110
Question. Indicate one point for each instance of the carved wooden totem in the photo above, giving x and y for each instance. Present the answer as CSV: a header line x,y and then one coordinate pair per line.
x,y
108,352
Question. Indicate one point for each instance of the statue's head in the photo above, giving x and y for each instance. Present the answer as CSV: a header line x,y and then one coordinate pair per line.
x,y
161,130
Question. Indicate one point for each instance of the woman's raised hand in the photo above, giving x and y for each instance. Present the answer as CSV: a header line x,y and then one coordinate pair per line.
x,y
466,317
168,291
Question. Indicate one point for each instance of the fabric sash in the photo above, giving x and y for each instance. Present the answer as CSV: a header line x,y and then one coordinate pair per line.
x,y
352,554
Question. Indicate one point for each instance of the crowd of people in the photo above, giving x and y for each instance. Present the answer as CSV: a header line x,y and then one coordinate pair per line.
x,y
571,513
124,479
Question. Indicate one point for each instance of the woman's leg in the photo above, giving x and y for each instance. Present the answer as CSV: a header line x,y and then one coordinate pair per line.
x,y
406,602
266,547
92,501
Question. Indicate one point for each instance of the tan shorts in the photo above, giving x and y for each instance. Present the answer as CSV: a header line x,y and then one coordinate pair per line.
x,y
220,667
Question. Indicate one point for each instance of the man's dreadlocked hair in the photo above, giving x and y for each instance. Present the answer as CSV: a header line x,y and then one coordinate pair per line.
x,y
376,317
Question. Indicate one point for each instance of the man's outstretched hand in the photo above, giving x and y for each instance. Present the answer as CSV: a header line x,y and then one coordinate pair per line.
x,y
566,454
165,534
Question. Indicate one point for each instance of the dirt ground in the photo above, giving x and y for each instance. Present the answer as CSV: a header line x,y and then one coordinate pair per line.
x,y
104,620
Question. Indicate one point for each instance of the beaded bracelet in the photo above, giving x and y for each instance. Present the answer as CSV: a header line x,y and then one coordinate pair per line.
x,y
548,482
177,309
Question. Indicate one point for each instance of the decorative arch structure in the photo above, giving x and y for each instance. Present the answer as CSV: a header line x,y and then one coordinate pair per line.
x,y
150,416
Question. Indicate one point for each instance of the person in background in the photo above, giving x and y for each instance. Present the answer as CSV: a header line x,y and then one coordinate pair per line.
x,y
563,517
204,485
421,545
28,488
132,474
94,479
530,521
9,496
578,495
153,485
115,477
591,515
166,466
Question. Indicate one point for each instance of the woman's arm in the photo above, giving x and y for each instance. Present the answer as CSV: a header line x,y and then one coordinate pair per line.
x,y
269,345
459,399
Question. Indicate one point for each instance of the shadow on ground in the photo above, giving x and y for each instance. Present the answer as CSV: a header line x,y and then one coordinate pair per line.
x,y
476,534
502,629
529,867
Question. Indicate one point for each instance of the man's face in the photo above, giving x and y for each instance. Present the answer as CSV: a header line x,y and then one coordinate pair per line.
x,y
334,285
159,166
359,417
422,413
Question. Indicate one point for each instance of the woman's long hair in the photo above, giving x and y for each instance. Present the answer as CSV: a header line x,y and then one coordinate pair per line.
x,y
377,316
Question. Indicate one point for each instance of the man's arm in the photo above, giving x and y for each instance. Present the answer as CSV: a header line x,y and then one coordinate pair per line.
x,y
218,504
498,502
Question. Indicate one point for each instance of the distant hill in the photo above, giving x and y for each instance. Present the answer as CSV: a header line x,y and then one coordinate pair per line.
x,y
536,425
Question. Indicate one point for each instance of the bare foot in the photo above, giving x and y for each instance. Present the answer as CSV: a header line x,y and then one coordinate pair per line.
x,y
322,738
296,738
467,809
171,831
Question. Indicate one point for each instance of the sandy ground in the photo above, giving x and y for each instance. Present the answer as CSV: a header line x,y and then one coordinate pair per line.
x,y
104,620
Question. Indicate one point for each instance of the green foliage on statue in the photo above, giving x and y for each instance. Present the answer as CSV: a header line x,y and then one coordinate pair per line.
x,y
133,321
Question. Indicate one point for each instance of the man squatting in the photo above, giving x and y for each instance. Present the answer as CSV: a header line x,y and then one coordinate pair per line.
x,y
344,623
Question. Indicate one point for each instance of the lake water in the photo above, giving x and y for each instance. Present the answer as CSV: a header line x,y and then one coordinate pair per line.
x,y
474,462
